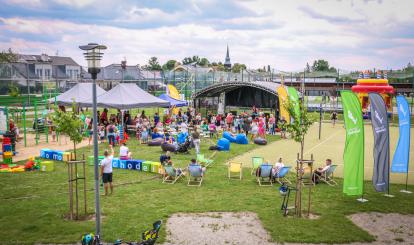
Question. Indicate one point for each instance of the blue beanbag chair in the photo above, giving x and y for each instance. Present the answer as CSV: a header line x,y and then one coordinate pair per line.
x,y
223,144
182,137
242,139
227,135
155,136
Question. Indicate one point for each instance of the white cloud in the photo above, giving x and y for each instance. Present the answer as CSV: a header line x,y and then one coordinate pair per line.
x,y
351,35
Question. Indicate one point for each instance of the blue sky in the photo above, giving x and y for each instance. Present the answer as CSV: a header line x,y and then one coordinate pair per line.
x,y
352,35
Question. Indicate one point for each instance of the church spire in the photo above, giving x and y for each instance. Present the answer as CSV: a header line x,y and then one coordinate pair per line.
x,y
227,62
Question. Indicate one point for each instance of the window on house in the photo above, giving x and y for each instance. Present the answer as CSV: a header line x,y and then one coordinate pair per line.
x,y
47,74
39,72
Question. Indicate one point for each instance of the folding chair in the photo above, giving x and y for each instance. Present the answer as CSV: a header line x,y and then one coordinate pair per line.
x,y
281,176
256,162
235,167
203,160
265,174
328,176
171,175
195,175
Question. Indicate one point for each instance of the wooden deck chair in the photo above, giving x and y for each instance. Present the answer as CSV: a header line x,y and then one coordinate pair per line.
x,y
281,176
256,162
171,175
264,178
195,175
328,176
235,168
307,176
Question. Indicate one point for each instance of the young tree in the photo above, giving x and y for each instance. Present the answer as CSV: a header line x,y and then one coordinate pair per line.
x,y
298,128
68,123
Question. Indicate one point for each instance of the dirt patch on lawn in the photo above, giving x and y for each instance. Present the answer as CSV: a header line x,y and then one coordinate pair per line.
x,y
246,228
216,228
386,228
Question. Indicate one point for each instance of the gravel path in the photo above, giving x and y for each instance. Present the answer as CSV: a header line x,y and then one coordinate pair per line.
x,y
245,228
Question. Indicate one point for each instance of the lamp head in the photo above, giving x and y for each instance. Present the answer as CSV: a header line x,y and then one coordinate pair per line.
x,y
93,56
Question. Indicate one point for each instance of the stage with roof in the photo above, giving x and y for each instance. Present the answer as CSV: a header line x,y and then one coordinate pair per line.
x,y
239,94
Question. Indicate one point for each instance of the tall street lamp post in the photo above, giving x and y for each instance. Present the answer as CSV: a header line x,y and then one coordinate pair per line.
x,y
93,56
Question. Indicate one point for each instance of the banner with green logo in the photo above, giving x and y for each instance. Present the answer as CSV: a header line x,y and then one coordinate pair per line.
x,y
354,145
294,99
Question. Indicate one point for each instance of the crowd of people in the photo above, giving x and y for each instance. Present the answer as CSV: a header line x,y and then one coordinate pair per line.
x,y
254,124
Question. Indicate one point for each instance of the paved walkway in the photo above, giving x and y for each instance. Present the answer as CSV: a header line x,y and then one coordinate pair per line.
x,y
331,145
34,150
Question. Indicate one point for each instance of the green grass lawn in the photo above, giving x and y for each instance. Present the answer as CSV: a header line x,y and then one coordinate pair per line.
x,y
33,204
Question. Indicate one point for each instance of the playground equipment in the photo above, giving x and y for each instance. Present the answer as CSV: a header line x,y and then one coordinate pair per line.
x,y
40,107
365,86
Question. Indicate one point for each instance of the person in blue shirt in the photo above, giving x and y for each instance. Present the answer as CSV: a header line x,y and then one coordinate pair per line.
x,y
156,119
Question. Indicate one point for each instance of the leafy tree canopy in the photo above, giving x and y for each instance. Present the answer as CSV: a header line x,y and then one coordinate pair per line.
x,y
8,56
153,64
322,65
169,65
237,68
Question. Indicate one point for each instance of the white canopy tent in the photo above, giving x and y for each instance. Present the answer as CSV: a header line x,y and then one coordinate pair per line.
x,y
80,92
126,96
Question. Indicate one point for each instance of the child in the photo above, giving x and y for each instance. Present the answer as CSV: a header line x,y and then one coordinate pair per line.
x,y
138,127
212,129
101,132
53,133
144,135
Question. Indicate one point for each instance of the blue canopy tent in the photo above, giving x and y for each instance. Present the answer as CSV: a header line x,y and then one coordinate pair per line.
x,y
172,101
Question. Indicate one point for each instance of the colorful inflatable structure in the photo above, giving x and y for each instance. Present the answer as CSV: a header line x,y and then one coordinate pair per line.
x,y
379,85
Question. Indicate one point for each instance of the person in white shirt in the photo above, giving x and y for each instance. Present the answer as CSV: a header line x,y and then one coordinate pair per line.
x,y
278,166
124,153
106,170
320,171
184,127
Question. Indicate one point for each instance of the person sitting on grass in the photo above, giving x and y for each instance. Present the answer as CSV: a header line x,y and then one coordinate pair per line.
x,y
165,158
317,174
106,170
124,153
169,139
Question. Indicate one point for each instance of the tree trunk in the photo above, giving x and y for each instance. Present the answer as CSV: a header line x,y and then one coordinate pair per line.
x,y
74,150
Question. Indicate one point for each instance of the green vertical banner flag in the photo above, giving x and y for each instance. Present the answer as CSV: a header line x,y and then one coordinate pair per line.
x,y
354,145
294,99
